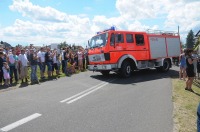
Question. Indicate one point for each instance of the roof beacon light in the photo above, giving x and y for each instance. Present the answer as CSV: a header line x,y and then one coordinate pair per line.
x,y
111,28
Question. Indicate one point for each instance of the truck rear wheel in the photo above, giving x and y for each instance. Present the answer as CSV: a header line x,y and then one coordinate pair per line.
x,y
165,67
105,73
126,70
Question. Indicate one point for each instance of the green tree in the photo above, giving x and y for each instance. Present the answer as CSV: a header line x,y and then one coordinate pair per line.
x,y
63,44
196,46
190,40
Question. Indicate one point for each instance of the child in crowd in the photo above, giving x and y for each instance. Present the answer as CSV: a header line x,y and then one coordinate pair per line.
x,y
72,63
6,73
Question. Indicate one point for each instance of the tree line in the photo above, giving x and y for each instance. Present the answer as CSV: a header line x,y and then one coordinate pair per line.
x,y
190,41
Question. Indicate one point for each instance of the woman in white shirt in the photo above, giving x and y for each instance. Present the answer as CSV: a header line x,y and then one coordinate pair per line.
x,y
23,61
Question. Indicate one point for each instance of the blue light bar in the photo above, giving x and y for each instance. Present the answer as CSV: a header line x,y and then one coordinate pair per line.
x,y
111,28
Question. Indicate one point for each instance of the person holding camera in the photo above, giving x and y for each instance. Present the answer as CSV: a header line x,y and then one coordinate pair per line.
x,y
49,61
33,64
190,70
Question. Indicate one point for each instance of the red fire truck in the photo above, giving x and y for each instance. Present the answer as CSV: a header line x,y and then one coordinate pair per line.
x,y
127,51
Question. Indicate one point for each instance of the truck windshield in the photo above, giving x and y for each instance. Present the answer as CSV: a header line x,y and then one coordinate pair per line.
x,y
98,41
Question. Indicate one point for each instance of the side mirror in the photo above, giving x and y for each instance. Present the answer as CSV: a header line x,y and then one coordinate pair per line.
x,y
89,44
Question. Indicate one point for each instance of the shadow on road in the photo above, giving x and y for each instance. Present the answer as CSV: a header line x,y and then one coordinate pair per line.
x,y
139,76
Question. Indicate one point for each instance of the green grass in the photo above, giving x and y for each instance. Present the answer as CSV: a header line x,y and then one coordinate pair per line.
x,y
185,106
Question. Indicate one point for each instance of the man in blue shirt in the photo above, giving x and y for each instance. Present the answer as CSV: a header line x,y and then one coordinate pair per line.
x,y
13,60
33,64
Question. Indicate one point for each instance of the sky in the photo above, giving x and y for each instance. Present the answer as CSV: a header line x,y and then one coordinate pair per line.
x,y
42,22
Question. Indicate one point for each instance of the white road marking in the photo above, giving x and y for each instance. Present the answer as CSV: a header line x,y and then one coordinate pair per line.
x,y
89,92
74,96
20,122
75,99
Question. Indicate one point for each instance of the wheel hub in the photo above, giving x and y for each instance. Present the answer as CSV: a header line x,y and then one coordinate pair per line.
x,y
128,69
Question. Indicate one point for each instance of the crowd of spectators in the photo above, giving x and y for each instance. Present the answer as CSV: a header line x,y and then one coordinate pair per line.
x,y
15,63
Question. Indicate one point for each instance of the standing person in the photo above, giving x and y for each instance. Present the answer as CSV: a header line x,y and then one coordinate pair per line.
x,y
72,62
189,70
55,62
58,62
18,51
27,52
84,59
41,62
80,59
13,60
63,60
76,60
23,64
195,55
49,62
1,66
66,57
6,74
182,65
33,64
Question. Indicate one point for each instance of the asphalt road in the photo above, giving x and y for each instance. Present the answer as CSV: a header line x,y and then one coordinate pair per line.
x,y
89,102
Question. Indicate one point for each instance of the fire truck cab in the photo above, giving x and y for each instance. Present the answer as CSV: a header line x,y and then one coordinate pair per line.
x,y
127,51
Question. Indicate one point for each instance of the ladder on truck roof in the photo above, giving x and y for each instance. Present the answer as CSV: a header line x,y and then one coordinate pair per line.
x,y
161,32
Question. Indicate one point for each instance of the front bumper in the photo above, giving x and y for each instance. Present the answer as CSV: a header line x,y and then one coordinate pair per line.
x,y
101,67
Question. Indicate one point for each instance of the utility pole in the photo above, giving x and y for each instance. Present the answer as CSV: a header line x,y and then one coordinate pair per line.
x,y
178,30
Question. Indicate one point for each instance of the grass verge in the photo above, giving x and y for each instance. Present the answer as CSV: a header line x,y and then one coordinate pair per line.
x,y
185,106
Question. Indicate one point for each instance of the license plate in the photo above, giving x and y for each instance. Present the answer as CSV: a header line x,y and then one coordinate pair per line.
x,y
95,68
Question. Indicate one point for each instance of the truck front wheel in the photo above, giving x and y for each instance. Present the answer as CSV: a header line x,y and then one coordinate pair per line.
x,y
126,70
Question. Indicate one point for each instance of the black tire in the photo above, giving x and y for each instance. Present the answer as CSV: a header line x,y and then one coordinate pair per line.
x,y
105,73
126,70
165,67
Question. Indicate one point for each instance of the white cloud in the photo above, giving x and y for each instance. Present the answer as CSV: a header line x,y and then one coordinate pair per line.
x,y
38,33
36,12
48,25
139,9
184,13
